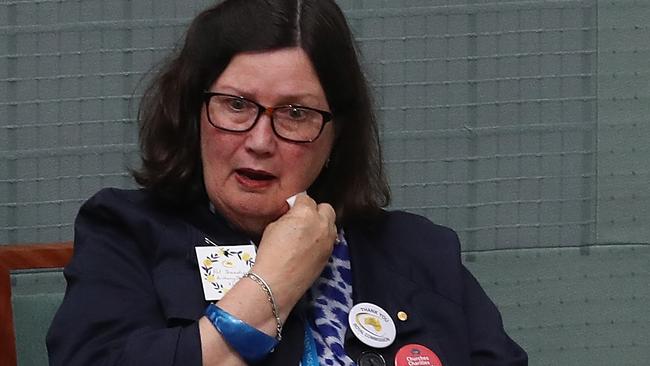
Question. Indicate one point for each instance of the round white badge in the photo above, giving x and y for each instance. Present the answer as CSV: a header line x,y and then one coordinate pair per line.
x,y
372,325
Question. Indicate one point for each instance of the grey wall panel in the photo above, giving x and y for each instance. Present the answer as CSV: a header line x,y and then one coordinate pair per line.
x,y
624,127
572,306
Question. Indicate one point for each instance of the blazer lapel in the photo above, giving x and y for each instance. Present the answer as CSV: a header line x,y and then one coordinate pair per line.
x,y
374,282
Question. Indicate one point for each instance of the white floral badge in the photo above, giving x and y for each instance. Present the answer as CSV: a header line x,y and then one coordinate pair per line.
x,y
221,267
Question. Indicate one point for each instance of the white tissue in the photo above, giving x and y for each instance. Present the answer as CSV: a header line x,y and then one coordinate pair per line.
x,y
292,200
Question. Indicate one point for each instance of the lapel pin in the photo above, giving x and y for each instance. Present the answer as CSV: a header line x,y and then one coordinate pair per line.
x,y
402,316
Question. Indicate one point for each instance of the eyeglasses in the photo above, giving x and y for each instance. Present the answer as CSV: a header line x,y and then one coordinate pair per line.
x,y
293,123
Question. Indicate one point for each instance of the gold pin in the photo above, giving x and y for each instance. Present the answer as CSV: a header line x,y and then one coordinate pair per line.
x,y
402,316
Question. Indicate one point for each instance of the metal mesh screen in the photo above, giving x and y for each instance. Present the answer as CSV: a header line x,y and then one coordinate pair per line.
x,y
488,116
624,121
488,109
68,101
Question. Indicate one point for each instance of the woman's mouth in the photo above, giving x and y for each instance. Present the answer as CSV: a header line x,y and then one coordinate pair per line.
x,y
254,179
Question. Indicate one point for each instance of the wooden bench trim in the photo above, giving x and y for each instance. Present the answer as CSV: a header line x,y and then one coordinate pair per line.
x,y
24,256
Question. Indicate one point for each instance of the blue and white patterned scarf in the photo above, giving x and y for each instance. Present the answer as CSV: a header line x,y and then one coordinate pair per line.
x,y
330,301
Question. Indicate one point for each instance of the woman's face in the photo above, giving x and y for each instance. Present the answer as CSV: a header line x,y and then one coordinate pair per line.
x,y
248,175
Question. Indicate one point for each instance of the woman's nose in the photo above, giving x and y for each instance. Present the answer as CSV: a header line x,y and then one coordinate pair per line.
x,y
261,139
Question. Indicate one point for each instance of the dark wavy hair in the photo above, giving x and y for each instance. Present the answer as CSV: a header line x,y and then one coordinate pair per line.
x,y
353,182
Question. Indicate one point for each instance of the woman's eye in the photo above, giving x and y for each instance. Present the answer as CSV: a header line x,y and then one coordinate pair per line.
x,y
237,104
296,113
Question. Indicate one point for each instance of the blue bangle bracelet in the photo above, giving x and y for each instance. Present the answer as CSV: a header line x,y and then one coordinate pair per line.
x,y
251,344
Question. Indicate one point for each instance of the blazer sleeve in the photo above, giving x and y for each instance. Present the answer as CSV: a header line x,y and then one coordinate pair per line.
x,y
490,345
110,314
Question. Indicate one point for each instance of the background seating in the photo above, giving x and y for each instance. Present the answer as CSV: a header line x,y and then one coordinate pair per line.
x,y
31,288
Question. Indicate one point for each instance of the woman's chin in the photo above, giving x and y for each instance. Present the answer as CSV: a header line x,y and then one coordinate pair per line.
x,y
255,218
251,213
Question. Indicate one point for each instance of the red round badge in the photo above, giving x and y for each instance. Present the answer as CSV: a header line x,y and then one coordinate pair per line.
x,y
416,355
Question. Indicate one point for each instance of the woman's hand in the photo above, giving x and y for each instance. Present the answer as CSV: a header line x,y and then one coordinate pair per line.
x,y
295,248
292,253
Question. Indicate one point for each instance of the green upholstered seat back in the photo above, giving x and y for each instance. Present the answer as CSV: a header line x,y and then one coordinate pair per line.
x,y
572,306
36,295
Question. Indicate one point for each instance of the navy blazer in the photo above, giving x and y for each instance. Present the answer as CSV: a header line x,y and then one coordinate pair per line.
x,y
134,292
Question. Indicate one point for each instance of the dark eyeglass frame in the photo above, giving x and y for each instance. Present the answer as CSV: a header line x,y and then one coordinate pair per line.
x,y
207,95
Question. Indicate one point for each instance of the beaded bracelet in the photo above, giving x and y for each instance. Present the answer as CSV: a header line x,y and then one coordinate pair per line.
x,y
269,294
250,343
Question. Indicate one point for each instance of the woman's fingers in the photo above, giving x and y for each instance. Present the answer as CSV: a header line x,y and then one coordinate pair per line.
x,y
303,200
326,211
296,247
327,214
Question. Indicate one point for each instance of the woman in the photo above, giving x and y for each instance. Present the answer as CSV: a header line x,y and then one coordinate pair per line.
x,y
265,100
